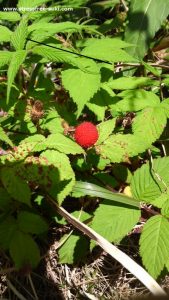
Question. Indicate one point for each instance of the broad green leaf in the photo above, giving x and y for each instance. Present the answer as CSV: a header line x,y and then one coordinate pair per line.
x,y
114,222
15,186
7,229
57,55
143,22
120,147
18,37
31,223
5,34
81,85
66,174
90,189
154,244
5,57
63,144
107,42
4,137
101,100
126,83
105,129
53,122
154,120
56,27
74,248
135,100
147,184
24,251
107,53
17,59
34,143
10,16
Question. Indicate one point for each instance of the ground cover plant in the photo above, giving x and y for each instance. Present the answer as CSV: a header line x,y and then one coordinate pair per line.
x,y
84,137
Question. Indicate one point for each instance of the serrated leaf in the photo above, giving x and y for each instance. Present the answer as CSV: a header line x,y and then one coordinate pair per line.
x,y
101,101
18,37
63,144
66,174
119,147
135,100
5,57
5,34
24,251
35,143
17,59
7,229
143,24
154,120
154,244
56,27
10,16
4,137
15,186
74,249
106,42
57,55
105,129
114,222
126,83
147,186
106,53
31,223
81,85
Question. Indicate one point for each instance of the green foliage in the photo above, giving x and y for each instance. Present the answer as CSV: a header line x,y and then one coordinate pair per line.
x,y
5,34
18,37
142,27
154,244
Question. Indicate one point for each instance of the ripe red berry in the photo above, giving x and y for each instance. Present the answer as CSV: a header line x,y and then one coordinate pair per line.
x,y
86,134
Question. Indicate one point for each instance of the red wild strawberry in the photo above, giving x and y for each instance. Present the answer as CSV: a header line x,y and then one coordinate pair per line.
x,y
86,134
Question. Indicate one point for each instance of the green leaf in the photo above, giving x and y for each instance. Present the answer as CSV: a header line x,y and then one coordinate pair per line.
x,y
114,222
30,3
63,144
66,174
101,101
105,129
18,37
17,59
15,186
86,188
154,120
81,85
5,138
143,24
151,69
10,16
126,83
107,42
5,57
135,100
7,229
147,186
104,51
120,147
5,34
154,244
5,200
31,223
24,251
74,248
